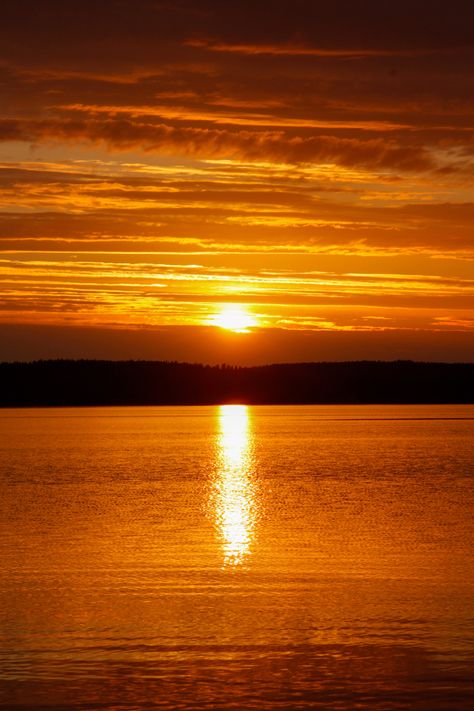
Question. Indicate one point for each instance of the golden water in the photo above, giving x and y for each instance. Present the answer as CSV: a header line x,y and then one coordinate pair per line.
x,y
237,558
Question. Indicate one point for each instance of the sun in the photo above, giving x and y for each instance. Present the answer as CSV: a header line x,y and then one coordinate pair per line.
x,y
234,317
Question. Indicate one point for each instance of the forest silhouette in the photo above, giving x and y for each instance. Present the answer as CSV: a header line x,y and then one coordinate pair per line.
x,y
99,382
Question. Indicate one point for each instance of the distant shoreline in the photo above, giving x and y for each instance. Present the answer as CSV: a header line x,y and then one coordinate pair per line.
x,y
74,383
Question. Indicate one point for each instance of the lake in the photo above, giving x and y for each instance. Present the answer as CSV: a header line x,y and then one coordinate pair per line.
x,y
237,557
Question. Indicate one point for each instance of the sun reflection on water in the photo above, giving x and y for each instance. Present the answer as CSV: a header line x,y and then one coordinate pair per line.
x,y
234,508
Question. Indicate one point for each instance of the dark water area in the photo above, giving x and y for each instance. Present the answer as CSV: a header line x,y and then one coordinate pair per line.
x,y
237,557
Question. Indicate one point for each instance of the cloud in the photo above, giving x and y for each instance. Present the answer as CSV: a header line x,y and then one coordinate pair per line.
x,y
126,134
289,132
288,50
228,206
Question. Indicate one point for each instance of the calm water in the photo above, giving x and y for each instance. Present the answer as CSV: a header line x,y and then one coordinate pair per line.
x,y
237,558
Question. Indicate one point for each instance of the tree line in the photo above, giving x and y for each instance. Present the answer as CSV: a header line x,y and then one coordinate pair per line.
x,y
99,382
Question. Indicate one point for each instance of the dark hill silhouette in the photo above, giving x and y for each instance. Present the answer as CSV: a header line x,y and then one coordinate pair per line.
x,y
94,382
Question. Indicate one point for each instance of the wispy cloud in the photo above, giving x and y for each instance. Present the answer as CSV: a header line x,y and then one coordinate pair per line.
x,y
295,50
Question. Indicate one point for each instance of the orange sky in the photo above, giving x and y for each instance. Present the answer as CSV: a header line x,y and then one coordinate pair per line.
x,y
312,162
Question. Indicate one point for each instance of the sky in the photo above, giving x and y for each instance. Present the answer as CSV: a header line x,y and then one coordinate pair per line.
x,y
240,182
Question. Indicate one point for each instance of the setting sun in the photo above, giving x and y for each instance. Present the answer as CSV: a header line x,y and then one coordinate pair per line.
x,y
234,317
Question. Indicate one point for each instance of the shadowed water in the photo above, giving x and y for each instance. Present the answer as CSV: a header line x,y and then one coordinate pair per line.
x,y
237,558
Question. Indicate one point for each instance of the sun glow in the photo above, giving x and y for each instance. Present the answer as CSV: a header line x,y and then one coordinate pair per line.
x,y
234,317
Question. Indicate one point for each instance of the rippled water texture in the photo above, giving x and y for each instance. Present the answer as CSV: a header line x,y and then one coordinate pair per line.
x,y
237,558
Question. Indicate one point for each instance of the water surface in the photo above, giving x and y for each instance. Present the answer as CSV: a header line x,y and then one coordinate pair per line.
x,y
237,558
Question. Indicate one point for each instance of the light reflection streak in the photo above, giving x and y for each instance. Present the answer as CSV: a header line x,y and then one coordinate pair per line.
x,y
234,498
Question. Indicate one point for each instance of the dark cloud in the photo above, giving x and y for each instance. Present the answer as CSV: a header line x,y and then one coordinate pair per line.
x,y
119,26
352,67
123,134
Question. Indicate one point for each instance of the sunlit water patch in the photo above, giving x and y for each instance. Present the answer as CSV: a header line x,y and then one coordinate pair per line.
x,y
234,500
237,557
